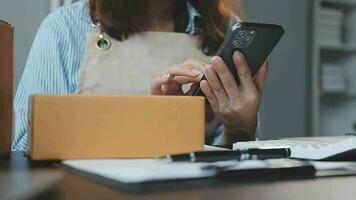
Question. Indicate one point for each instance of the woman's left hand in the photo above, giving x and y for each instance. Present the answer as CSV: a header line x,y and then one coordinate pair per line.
x,y
235,105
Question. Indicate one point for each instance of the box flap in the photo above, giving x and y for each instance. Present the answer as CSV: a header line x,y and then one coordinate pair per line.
x,y
6,86
5,23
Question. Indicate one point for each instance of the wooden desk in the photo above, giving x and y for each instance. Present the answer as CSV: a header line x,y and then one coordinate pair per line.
x,y
75,187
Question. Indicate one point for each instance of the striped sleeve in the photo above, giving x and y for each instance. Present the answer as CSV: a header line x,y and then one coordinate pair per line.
x,y
44,73
218,134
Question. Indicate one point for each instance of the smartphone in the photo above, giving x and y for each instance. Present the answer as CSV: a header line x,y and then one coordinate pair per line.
x,y
254,40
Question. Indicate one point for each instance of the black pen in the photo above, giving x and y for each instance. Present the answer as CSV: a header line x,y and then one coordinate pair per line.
x,y
215,156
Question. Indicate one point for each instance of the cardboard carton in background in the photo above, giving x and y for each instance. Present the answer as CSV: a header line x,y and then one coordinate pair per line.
x,y
89,127
6,86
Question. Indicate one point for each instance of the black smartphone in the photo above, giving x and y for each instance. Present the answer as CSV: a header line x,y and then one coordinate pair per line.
x,y
254,40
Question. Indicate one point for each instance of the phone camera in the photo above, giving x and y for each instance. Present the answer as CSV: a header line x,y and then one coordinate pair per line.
x,y
236,43
241,34
239,44
243,39
249,39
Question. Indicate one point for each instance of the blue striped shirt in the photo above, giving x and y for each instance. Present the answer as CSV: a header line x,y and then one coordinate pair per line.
x,y
54,60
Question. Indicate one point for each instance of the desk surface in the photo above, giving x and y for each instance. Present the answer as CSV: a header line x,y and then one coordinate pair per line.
x,y
76,187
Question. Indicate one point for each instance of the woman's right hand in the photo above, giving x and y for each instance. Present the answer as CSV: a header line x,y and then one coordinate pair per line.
x,y
175,76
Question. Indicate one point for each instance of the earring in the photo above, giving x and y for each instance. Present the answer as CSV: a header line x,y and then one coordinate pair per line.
x,y
102,42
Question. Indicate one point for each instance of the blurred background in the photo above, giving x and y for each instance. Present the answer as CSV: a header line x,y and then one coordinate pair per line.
x,y
311,89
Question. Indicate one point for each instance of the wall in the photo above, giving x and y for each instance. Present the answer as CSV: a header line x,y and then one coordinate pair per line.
x,y
284,108
26,16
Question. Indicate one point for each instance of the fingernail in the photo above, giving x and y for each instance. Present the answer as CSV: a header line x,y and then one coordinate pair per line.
x,y
196,72
209,69
215,60
166,77
237,56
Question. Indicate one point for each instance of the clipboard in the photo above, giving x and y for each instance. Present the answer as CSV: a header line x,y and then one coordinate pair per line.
x,y
149,174
276,169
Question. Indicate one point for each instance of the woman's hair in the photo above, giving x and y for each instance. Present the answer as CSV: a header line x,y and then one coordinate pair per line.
x,y
123,18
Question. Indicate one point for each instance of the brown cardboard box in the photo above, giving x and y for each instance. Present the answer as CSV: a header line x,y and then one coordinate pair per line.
x,y
89,127
6,86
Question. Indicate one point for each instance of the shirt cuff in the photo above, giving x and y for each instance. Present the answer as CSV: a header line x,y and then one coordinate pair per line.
x,y
218,134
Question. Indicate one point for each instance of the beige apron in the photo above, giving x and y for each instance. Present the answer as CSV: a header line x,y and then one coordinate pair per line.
x,y
128,67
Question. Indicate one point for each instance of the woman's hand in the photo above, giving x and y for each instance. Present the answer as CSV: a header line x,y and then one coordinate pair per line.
x,y
172,80
175,76
235,105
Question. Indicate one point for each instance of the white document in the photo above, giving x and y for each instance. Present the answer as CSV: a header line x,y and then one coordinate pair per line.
x,y
151,170
312,148
325,166
139,170
143,170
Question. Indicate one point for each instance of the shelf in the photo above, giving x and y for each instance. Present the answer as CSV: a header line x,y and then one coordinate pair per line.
x,y
343,3
333,111
335,47
333,97
334,93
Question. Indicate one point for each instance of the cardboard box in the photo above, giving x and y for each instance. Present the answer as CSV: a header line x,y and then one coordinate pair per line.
x,y
93,127
6,86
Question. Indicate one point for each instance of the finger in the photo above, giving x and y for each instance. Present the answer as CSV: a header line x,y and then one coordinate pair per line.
x,y
164,89
216,86
178,70
199,61
205,87
156,86
169,86
174,85
243,70
166,79
194,64
171,89
261,77
227,79
185,80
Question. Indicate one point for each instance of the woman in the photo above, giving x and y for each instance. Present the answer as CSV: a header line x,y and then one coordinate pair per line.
x,y
123,35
